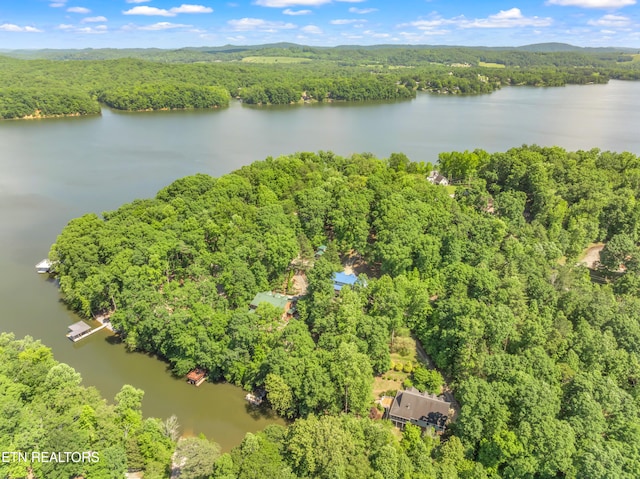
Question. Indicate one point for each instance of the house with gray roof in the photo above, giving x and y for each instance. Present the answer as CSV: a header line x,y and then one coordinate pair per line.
x,y
422,409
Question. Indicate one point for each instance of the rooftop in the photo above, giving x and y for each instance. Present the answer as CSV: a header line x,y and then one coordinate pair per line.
x,y
196,374
422,409
343,279
275,299
78,328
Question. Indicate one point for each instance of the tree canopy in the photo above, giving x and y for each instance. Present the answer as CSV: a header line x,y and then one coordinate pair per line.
x,y
540,352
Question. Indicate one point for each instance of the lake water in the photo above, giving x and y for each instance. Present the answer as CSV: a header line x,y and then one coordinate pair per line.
x,y
54,170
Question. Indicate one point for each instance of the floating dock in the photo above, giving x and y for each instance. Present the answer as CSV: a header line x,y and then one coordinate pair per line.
x,y
197,376
81,330
43,266
256,398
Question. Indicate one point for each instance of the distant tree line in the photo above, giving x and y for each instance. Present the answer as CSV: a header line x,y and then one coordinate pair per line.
x,y
39,87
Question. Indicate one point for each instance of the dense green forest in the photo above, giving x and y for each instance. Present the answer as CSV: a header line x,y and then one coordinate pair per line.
x,y
65,83
540,351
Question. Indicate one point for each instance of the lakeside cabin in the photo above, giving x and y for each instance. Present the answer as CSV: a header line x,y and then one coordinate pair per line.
x,y
78,331
43,266
196,376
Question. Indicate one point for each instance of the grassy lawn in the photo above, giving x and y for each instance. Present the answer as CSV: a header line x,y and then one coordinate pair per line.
x,y
381,385
403,352
451,189
490,65
275,60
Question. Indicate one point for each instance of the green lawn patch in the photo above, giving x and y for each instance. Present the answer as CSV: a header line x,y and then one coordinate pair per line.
x,y
490,65
451,189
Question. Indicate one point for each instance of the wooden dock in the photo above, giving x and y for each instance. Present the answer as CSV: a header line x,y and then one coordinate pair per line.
x,y
77,337
197,376
105,321
256,398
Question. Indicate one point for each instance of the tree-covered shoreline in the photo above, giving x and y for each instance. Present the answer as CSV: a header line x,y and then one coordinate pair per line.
x,y
543,360
46,411
51,87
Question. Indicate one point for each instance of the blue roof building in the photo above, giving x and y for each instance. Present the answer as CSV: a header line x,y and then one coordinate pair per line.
x,y
343,279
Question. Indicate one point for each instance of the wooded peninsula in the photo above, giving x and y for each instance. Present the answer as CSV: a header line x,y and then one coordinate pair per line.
x,y
49,83
538,346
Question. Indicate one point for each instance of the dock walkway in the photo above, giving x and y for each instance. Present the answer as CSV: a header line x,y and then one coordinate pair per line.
x,y
87,333
81,330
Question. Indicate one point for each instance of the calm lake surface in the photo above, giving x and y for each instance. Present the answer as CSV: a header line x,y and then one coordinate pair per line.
x,y
54,170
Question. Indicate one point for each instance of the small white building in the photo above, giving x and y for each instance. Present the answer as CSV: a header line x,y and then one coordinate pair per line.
x,y
436,178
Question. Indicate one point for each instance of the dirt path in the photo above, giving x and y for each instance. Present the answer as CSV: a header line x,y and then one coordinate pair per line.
x,y
355,264
591,256
300,283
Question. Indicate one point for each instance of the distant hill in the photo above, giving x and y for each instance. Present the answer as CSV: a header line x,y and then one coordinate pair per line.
x,y
237,52
565,47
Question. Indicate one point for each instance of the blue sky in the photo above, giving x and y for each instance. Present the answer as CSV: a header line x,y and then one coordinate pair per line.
x,y
173,24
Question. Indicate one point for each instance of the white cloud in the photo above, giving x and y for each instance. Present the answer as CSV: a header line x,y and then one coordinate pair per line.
x,y
258,24
511,18
137,1
288,11
78,10
163,12
592,3
373,34
312,29
57,4
291,3
425,24
163,26
362,11
345,21
191,9
149,11
92,30
94,19
610,21
10,27
86,30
